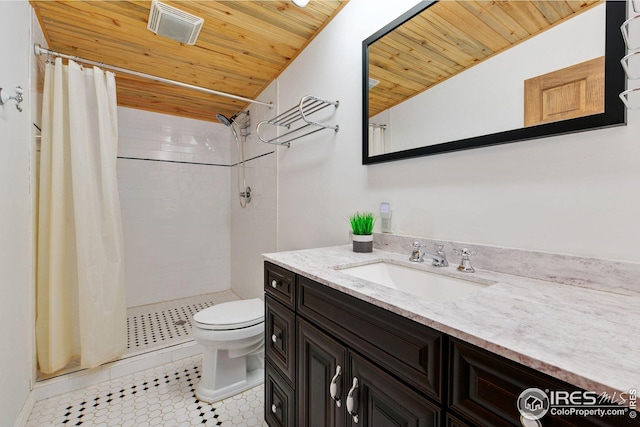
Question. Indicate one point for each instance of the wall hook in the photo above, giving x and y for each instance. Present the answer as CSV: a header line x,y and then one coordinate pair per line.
x,y
4,97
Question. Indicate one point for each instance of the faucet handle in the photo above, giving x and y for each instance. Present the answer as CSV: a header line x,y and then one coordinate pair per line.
x,y
465,263
464,252
439,249
416,253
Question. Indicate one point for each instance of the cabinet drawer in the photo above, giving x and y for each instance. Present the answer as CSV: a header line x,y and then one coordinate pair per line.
x,y
279,408
280,338
280,284
409,350
484,389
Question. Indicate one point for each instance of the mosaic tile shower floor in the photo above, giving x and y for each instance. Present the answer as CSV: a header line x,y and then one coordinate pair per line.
x,y
162,396
154,326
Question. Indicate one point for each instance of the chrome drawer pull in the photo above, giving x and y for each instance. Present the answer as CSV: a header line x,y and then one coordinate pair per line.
x,y
274,284
274,408
351,401
333,387
274,338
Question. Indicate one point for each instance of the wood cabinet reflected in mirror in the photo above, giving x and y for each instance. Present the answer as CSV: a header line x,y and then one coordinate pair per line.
x,y
575,91
450,75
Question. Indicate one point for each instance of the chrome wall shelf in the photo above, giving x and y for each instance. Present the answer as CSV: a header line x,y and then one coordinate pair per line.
x,y
631,63
297,122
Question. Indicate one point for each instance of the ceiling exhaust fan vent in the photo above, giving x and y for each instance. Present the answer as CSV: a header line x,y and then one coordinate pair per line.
x,y
173,23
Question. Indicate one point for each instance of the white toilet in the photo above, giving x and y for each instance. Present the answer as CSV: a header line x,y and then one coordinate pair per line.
x,y
232,334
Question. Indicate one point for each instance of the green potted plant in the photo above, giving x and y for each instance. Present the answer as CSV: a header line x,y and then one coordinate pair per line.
x,y
362,228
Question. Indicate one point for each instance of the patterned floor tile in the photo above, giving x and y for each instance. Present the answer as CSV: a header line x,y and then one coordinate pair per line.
x,y
162,396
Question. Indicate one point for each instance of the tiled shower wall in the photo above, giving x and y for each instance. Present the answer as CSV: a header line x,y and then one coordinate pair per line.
x,y
173,175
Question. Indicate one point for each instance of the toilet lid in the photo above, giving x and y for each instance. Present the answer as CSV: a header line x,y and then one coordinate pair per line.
x,y
231,315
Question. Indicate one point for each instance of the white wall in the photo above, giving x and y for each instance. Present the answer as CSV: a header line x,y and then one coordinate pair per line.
x,y
573,194
174,195
16,220
253,229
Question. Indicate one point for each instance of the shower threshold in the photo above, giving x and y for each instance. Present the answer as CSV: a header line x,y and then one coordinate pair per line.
x,y
155,327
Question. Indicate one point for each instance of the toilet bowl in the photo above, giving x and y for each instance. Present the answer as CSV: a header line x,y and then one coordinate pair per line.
x,y
232,336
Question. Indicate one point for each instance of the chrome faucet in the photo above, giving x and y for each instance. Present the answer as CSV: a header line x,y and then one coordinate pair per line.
x,y
439,258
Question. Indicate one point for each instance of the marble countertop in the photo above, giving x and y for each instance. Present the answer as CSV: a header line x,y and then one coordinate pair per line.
x,y
585,337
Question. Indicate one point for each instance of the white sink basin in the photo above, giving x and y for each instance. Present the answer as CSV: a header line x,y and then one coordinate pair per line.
x,y
421,283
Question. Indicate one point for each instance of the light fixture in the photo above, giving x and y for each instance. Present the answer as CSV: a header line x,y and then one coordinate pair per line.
x,y
173,23
300,3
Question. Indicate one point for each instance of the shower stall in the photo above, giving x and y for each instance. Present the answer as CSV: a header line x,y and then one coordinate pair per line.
x,y
179,182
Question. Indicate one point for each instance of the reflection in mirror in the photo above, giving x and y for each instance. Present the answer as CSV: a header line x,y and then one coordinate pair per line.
x,y
454,75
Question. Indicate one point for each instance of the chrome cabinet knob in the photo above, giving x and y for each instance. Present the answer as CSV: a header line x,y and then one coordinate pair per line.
x,y
274,283
274,408
274,338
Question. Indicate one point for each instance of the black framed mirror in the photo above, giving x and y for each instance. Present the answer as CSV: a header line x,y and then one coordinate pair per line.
x,y
449,76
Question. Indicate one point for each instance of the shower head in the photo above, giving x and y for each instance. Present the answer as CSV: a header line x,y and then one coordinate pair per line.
x,y
226,120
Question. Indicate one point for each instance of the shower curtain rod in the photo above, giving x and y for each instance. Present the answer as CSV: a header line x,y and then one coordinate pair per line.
x,y
38,50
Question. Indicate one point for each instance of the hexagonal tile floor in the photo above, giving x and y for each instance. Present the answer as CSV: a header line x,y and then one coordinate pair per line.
x,y
162,396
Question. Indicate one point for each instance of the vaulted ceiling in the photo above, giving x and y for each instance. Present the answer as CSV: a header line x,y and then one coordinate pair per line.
x,y
242,47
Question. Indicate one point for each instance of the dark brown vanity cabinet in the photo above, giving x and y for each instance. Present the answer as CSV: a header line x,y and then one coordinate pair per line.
x,y
332,359
397,383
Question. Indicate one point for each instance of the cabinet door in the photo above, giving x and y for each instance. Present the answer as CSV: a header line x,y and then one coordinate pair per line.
x,y
377,399
321,363
279,399
280,338
455,422
484,389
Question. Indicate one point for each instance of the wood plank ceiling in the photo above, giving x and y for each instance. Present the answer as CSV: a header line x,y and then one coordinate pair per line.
x,y
243,46
452,36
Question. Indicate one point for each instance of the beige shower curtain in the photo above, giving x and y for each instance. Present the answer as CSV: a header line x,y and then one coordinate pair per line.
x,y
81,310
